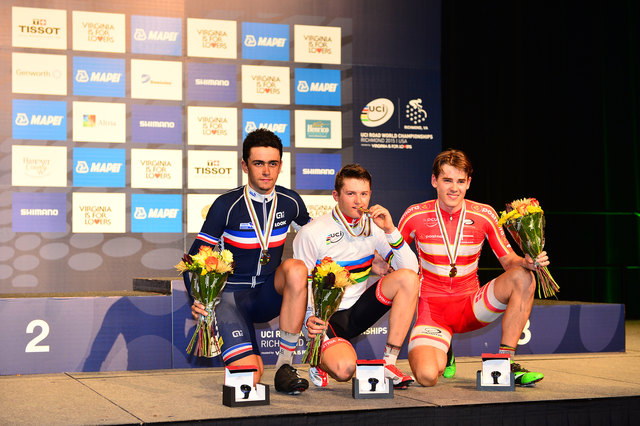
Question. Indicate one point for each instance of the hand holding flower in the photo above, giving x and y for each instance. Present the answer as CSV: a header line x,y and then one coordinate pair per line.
x,y
315,326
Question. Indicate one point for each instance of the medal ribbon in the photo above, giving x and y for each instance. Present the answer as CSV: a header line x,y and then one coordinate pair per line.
x,y
263,237
365,228
451,253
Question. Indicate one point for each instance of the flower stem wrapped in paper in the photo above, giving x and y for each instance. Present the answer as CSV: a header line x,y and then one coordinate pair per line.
x,y
524,219
328,283
209,271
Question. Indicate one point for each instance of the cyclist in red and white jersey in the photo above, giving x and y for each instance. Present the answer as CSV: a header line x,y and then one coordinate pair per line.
x,y
449,233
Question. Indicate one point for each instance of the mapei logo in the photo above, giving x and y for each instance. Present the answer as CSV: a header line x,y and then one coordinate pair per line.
x,y
317,87
250,41
274,127
265,41
156,35
277,121
141,35
156,213
82,76
377,112
39,119
98,77
98,167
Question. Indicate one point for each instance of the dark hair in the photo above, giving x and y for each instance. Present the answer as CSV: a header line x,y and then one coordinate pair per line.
x,y
452,157
351,171
260,137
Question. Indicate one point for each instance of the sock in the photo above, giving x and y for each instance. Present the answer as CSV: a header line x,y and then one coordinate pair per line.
x,y
506,349
288,342
391,354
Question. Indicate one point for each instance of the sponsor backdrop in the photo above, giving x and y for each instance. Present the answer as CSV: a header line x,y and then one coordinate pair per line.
x,y
124,122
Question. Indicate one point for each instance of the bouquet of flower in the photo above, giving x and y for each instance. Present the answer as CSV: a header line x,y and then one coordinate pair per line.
x,y
524,219
209,271
328,283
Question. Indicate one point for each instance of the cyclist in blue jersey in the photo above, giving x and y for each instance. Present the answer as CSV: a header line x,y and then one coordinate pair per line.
x,y
252,222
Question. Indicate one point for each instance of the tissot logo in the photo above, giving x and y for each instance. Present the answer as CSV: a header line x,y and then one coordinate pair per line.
x,y
39,28
212,169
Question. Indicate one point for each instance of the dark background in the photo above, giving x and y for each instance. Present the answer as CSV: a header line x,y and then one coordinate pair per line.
x,y
543,97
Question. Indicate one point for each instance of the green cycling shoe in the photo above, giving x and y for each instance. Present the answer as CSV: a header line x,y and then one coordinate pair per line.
x,y
450,368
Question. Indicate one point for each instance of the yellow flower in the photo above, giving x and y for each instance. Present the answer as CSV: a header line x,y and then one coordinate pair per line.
x,y
227,256
181,267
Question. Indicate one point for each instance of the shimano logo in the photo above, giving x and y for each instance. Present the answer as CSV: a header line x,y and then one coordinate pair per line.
x,y
157,124
308,171
211,82
39,212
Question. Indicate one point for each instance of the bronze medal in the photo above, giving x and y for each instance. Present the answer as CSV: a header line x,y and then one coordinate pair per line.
x,y
265,257
453,271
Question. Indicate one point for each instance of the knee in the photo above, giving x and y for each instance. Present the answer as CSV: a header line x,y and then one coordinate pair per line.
x,y
408,280
343,371
426,375
523,281
295,274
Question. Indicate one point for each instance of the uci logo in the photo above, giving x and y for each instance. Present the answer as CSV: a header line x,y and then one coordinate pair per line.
x,y
334,238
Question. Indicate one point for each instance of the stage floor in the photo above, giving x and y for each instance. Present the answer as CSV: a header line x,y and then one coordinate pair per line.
x,y
160,396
